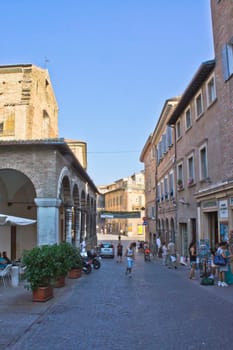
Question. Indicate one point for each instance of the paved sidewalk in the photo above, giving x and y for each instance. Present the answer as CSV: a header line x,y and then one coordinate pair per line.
x,y
18,312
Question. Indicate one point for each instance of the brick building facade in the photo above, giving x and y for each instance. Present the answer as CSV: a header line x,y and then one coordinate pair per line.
x,y
203,158
41,176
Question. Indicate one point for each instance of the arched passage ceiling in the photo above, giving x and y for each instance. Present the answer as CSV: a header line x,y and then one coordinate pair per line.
x,y
15,182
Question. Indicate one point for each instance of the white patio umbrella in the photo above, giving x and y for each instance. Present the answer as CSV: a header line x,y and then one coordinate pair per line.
x,y
15,220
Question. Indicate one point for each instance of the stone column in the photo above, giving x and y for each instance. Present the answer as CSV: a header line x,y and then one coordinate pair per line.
x,y
77,226
47,220
68,224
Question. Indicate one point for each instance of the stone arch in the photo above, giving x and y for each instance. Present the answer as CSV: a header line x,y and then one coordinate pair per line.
x,y
162,229
172,229
64,194
17,195
65,173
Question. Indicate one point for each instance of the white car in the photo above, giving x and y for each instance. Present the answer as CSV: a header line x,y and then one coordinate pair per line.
x,y
107,250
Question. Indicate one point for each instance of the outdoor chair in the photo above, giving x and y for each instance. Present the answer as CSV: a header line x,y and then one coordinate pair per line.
x,y
21,272
5,274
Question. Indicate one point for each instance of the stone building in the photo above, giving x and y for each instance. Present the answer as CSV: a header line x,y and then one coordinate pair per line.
x,y
163,141
203,158
148,157
42,177
158,156
197,153
126,198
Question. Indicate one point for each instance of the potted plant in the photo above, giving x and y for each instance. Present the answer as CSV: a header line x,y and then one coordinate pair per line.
x,y
40,271
75,262
180,184
61,253
190,182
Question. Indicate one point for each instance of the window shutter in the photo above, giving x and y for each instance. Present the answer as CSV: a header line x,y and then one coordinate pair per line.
x,y
225,65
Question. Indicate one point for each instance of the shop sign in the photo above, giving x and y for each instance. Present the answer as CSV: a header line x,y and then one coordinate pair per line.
x,y
223,209
209,204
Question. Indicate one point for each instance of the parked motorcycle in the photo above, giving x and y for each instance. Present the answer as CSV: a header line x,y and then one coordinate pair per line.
x,y
86,268
94,259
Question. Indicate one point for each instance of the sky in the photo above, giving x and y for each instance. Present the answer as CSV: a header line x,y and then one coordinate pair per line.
x,y
112,64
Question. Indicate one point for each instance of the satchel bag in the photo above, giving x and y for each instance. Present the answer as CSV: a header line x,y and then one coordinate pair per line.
x,y
219,260
206,281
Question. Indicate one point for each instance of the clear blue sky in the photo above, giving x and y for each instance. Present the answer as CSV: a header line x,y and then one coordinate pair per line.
x,y
112,63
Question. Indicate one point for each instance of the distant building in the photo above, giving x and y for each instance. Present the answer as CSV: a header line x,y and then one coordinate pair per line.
x,y
125,197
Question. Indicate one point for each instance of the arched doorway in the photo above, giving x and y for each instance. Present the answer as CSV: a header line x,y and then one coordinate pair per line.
x,y
17,194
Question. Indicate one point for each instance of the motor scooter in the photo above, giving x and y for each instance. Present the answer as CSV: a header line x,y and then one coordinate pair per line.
x,y
86,268
94,259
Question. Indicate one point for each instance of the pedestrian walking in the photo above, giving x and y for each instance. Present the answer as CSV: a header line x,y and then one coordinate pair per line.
x,y
193,259
130,255
164,253
119,252
172,261
222,250
158,245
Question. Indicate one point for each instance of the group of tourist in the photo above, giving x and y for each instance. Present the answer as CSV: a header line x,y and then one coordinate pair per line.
x,y
221,273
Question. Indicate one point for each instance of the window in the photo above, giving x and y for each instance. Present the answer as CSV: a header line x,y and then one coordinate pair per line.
x,y
211,91
158,193
203,162
164,144
178,129
162,190
180,180
171,185
159,149
199,105
190,170
1,128
152,152
169,136
46,123
227,59
188,118
166,188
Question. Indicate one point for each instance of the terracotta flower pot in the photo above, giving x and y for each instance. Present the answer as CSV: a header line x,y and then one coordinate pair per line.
x,y
75,273
42,294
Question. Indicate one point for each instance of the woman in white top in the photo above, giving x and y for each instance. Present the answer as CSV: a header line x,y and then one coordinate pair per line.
x,y
222,269
130,257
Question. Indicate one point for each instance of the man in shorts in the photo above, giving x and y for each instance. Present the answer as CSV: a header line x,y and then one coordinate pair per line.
x,y
119,252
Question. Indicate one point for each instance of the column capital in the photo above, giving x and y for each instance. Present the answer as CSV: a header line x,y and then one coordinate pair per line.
x,y
48,202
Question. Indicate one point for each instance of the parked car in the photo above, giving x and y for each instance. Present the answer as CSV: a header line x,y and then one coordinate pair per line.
x,y
107,250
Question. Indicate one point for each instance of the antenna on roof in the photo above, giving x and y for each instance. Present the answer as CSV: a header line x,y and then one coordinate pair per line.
x,y
46,61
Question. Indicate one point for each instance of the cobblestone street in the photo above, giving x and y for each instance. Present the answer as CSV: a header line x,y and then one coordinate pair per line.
x,y
157,308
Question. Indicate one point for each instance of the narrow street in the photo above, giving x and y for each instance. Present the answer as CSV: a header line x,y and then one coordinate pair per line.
x,y
158,308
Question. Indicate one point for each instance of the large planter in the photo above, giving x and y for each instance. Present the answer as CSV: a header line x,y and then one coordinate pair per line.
x,y
75,273
60,282
42,294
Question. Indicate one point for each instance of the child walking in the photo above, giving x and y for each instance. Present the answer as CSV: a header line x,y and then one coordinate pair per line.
x,y
130,257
